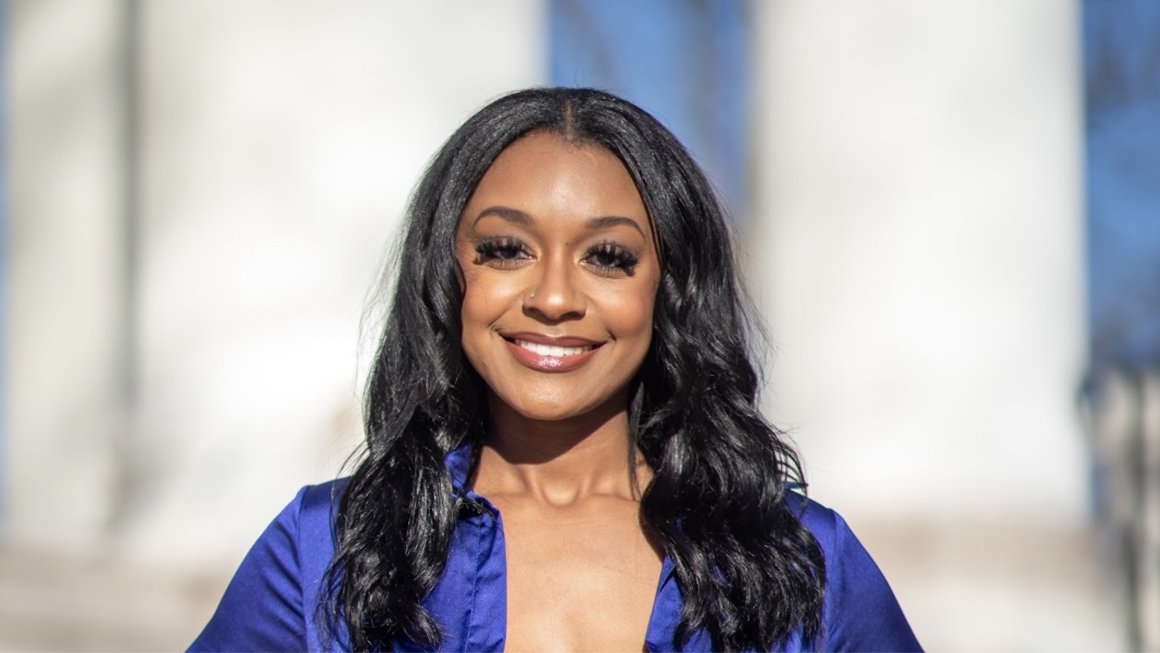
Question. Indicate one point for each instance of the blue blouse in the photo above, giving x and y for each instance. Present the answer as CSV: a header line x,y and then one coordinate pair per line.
x,y
270,604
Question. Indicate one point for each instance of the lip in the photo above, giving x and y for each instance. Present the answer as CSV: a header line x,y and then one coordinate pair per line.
x,y
546,362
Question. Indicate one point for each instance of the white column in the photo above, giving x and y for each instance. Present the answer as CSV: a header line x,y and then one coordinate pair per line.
x,y
281,142
65,362
920,252
918,248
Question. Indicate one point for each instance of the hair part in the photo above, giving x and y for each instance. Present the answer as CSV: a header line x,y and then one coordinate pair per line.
x,y
749,572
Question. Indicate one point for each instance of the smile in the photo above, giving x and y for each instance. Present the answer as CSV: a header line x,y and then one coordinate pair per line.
x,y
552,350
554,355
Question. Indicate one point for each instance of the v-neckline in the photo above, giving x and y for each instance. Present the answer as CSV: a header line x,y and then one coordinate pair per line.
x,y
666,606
658,634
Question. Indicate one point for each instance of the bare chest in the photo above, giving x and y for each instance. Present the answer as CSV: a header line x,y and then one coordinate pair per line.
x,y
578,579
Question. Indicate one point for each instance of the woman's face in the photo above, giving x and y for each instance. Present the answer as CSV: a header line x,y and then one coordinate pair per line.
x,y
560,272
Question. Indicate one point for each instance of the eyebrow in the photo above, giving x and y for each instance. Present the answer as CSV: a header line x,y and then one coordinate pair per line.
x,y
519,217
612,221
511,215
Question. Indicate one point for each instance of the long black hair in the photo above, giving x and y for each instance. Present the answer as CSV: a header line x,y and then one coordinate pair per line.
x,y
749,572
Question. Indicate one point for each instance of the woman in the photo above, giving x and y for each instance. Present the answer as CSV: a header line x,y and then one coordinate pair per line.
x,y
567,348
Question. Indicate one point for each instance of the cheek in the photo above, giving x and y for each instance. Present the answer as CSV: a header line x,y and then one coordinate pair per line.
x,y
475,313
474,325
630,314
487,295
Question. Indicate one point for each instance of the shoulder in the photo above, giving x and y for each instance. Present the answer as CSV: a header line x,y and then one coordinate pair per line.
x,y
822,522
301,536
271,600
316,506
861,611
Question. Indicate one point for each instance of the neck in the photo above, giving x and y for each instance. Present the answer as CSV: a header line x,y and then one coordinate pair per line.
x,y
558,462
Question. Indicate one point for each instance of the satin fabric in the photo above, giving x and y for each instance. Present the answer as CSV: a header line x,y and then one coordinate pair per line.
x,y
271,603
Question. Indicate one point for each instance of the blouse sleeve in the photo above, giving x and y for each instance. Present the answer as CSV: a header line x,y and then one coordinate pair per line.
x,y
861,612
262,609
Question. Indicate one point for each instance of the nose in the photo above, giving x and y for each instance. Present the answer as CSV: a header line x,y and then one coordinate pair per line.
x,y
554,294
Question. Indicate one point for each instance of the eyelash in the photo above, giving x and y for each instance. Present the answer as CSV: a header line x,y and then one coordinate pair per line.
x,y
611,258
607,258
505,252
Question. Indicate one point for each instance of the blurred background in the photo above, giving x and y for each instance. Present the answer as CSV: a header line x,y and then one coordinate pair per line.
x,y
949,213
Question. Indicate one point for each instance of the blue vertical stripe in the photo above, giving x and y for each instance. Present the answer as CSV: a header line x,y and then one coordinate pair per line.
x,y
1122,125
685,61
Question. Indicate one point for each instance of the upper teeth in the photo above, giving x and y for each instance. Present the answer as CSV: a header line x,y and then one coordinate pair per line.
x,y
550,350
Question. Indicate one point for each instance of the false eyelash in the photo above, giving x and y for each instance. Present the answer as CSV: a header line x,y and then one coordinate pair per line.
x,y
503,249
611,258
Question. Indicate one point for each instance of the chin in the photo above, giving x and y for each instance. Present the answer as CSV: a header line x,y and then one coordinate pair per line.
x,y
551,408
549,412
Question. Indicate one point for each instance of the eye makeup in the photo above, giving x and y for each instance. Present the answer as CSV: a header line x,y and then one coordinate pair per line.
x,y
610,258
606,258
501,251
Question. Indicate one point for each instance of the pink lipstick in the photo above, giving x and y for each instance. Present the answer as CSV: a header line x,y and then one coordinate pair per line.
x,y
550,354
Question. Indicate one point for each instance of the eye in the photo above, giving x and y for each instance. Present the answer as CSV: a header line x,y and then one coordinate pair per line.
x,y
502,252
611,259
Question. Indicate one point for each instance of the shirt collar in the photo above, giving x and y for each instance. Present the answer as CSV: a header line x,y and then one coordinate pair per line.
x,y
458,464
667,604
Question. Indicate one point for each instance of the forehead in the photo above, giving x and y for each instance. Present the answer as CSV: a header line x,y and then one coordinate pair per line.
x,y
547,173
